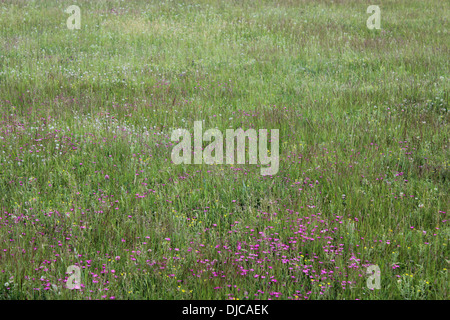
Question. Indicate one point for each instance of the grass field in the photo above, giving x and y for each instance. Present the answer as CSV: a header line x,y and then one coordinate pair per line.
x,y
86,176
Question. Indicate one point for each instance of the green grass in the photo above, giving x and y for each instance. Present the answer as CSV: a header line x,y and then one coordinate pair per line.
x,y
361,113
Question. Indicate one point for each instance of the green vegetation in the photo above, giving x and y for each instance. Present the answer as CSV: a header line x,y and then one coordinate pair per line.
x,y
86,176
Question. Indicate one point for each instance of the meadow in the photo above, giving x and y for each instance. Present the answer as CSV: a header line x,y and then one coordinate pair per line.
x,y
87,180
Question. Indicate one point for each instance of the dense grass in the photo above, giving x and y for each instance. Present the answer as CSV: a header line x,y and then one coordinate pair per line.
x,y
85,170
